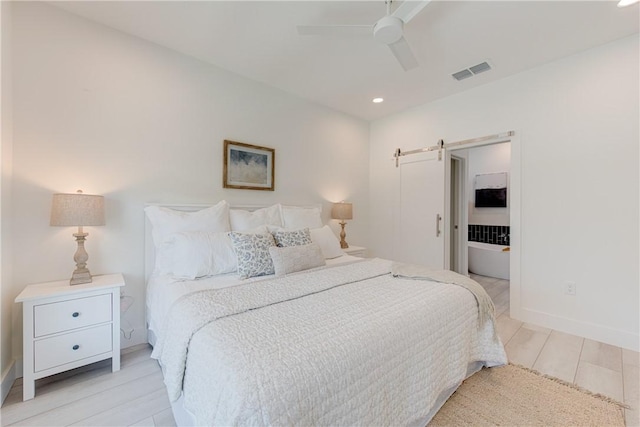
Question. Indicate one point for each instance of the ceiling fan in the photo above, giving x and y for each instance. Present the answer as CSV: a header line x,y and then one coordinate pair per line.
x,y
387,30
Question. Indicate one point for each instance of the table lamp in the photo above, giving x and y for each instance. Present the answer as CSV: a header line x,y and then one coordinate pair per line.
x,y
78,210
342,211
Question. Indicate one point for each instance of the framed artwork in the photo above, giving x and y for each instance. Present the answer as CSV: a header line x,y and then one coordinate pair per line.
x,y
248,167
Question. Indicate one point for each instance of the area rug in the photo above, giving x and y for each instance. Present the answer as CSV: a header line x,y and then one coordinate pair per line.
x,y
515,396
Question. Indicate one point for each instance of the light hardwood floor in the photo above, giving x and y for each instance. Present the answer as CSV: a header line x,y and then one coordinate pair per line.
x,y
93,396
598,367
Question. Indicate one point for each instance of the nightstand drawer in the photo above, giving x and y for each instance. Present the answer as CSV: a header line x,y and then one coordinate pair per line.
x,y
67,348
71,314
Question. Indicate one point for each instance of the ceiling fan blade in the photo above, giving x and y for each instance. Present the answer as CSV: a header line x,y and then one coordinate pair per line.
x,y
335,30
403,54
409,9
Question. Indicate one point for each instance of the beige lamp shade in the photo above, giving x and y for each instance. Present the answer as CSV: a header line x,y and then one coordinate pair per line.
x,y
77,210
342,211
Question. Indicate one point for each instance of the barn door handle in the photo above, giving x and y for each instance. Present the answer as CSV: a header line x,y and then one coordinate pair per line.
x,y
438,219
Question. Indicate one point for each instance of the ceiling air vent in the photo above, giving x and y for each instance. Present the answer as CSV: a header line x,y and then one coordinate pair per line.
x,y
461,75
480,68
471,71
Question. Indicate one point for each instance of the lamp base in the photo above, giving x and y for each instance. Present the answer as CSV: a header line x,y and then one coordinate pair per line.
x,y
343,243
80,276
81,273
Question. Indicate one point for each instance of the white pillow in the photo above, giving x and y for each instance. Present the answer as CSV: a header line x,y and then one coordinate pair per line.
x,y
167,221
242,220
290,259
294,217
201,253
328,242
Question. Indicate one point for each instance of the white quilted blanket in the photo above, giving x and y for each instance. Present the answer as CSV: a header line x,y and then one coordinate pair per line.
x,y
339,346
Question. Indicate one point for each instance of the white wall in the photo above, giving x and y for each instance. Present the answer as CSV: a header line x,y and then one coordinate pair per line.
x,y
495,158
6,301
576,152
115,115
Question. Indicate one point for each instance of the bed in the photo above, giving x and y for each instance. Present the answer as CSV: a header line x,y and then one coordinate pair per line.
x,y
346,341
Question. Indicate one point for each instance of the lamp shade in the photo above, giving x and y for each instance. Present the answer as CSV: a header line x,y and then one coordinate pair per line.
x,y
77,210
342,211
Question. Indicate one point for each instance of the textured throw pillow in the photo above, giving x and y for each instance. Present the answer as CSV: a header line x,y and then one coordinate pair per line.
x,y
292,238
201,253
167,221
242,220
328,242
252,252
296,258
294,217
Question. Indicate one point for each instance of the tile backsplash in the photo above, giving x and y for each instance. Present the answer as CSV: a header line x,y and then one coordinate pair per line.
x,y
494,234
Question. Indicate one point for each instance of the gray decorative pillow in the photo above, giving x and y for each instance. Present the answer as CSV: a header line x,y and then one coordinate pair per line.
x,y
296,258
286,238
253,255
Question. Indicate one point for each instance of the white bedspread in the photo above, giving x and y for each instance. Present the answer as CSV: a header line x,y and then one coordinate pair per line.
x,y
344,345
164,291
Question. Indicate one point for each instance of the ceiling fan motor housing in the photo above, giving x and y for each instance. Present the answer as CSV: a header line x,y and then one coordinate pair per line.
x,y
388,30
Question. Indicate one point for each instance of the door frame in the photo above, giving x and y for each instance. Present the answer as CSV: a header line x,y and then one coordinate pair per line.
x,y
515,215
459,192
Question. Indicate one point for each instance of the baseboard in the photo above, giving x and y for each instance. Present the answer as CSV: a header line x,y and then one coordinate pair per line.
x,y
8,378
591,331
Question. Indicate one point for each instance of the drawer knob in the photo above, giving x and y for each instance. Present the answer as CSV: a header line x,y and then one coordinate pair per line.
x,y
75,314
75,347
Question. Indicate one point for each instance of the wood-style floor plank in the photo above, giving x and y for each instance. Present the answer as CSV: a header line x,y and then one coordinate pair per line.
x,y
147,422
600,380
630,357
507,327
164,419
631,385
525,346
145,405
501,302
560,356
80,409
604,355
74,389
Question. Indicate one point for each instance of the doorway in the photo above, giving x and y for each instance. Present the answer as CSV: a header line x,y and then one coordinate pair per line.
x,y
491,225
427,209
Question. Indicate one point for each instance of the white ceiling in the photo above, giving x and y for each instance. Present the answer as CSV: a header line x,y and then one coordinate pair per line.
x,y
259,40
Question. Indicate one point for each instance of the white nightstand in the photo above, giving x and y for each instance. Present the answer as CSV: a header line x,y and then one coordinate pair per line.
x,y
66,326
358,251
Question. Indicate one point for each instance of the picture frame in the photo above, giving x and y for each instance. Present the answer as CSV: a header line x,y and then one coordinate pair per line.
x,y
248,167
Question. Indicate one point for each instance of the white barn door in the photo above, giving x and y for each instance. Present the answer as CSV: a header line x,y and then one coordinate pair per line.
x,y
420,216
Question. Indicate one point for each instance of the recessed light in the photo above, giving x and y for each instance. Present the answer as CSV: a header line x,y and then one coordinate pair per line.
x,y
377,100
625,3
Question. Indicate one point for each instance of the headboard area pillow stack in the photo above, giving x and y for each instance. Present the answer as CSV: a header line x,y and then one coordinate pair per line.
x,y
294,217
242,220
167,222
219,239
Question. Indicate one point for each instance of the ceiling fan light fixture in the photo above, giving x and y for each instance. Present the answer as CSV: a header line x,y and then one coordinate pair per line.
x,y
377,100
388,30
625,3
